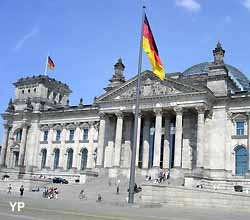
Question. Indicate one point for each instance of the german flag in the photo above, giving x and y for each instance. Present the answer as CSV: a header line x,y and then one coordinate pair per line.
x,y
149,46
51,64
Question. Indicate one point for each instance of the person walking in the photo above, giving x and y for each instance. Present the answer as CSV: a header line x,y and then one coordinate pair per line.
x,y
56,193
9,189
21,190
118,187
82,195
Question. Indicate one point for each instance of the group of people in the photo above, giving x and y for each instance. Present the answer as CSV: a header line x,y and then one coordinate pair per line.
x,y
161,177
9,189
82,196
50,193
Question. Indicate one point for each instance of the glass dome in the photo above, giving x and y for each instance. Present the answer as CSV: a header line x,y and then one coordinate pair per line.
x,y
237,76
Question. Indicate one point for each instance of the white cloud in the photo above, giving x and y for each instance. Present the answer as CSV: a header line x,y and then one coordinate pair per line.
x,y
24,38
246,3
191,5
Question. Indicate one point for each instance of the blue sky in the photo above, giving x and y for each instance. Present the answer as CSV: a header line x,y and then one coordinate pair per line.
x,y
85,39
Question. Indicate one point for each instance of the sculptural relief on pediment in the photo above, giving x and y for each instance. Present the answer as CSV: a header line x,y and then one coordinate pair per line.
x,y
149,88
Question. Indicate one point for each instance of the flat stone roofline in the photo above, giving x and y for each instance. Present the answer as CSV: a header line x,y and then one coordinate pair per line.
x,y
40,79
65,108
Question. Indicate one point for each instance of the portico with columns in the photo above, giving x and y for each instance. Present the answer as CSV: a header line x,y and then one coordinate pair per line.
x,y
154,147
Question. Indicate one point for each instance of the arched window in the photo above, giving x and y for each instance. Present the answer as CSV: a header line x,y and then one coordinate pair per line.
x,y
70,159
240,161
44,156
84,158
56,158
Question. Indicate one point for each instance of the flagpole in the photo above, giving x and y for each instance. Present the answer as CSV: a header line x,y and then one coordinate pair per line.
x,y
133,157
46,65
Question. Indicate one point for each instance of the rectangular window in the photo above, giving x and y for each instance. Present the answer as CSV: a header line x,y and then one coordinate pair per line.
x,y
19,135
85,134
71,134
239,128
45,135
58,135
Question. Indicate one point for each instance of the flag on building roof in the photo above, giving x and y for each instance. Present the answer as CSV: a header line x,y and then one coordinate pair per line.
x,y
51,64
150,48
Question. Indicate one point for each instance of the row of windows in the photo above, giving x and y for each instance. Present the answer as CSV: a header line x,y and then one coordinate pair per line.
x,y
239,132
84,158
71,135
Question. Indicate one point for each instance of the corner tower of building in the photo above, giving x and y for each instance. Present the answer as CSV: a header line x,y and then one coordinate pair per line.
x,y
118,77
40,93
218,80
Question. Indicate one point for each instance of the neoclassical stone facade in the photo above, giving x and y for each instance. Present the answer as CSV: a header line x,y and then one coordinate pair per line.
x,y
196,124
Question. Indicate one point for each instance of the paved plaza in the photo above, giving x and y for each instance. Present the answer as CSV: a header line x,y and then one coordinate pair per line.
x,y
113,206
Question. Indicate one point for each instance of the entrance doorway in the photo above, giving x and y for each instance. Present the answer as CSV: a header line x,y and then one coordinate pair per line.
x,y
240,161
16,158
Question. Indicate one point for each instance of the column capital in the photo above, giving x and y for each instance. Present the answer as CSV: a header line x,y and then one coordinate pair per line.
x,y
229,115
248,115
158,111
96,125
51,126
178,110
102,115
25,124
63,125
91,123
119,114
139,114
77,124
200,109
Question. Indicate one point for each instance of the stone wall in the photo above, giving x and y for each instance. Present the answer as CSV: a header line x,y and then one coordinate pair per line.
x,y
181,196
27,184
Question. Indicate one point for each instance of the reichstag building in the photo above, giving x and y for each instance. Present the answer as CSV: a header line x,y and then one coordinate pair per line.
x,y
195,124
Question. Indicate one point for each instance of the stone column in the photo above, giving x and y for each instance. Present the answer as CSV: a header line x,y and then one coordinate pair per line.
x,y
138,140
90,160
5,144
101,141
146,129
127,143
157,138
200,136
49,149
76,149
23,145
62,148
118,139
166,148
178,137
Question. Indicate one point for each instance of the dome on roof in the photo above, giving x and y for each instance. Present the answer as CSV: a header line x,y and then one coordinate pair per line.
x,y
237,76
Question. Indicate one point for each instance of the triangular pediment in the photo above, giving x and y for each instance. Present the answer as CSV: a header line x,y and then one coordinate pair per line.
x,y
151,86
